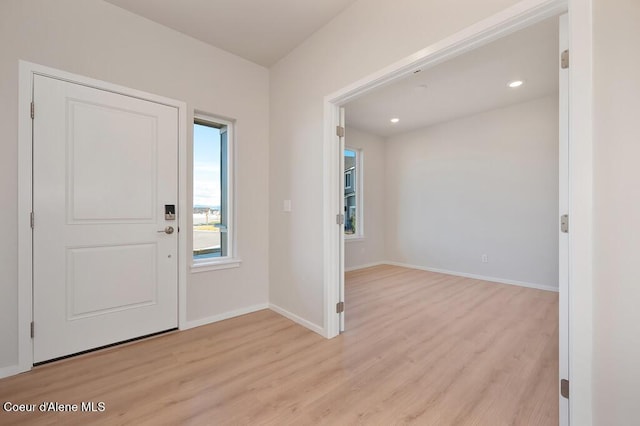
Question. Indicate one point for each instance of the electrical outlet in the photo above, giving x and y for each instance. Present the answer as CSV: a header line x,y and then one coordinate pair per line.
x,y
485,258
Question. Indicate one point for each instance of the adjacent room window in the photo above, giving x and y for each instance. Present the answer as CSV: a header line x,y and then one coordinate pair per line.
x,y
352,193
212,194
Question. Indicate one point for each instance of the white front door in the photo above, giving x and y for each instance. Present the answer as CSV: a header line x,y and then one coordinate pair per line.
x,y
104,168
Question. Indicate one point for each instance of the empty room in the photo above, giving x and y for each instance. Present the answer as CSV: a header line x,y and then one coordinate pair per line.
x,y
451,204
337,212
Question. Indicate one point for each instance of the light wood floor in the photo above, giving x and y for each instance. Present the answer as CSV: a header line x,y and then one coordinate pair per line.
x,y
420,347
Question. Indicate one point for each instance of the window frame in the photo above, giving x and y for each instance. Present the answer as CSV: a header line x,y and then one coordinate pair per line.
x,y
231,260
358,184
348,177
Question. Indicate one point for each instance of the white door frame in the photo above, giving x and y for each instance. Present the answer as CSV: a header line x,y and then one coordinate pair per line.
x,y
27,70
519,16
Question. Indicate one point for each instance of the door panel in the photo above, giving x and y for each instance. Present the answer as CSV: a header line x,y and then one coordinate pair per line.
x,y
99,135
98,279
563,209
104,166
341,326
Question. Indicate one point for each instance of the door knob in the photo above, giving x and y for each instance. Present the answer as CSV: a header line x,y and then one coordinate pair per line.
x,y
167,230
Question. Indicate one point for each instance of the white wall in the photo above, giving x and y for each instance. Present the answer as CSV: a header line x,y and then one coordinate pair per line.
x,y
616,212
99,40
484,184
371,248
366,37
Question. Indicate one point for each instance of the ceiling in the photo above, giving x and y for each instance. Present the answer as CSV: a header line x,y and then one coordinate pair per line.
x,y
258,30
468,84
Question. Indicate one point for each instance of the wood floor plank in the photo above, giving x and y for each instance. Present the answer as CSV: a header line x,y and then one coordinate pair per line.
x,y
420,348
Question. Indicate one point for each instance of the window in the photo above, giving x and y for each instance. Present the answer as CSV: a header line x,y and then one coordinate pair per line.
x,y
352,193
212,191
347,179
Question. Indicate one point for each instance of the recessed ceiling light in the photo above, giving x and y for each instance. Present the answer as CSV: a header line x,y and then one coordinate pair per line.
x,y
516,83
395,120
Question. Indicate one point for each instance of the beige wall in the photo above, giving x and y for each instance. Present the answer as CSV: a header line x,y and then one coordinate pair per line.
x,y
371,248
99,40
616,212
484,184
366,37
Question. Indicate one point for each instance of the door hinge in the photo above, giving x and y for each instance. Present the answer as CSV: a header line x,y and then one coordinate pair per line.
x,y
33,110
32,220
564,59
340,219
564,388
340,131
339,307
33,329
564,223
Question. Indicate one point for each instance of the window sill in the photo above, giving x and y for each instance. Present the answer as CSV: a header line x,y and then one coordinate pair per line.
x,y
214,265
353,239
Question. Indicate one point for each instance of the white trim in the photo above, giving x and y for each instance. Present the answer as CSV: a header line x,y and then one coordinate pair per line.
x,y
225,316
295,318
333,200
514,18
183,213
581,212
509,20
224,263
366,265
25,243
351,239
25,189
11,370
339,318
231,210
477,277
458,274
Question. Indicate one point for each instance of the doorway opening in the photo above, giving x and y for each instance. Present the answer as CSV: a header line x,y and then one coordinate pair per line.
x,y
411,71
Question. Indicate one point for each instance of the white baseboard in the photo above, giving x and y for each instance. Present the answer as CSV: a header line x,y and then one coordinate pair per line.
x,y
11,370
295,318
477,277
16,369
224,316
366,265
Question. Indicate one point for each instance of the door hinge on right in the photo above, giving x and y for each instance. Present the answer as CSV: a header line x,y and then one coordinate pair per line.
x,y
564,388
33,329
339,307
564,59
340,219
33,111
564,223
340,131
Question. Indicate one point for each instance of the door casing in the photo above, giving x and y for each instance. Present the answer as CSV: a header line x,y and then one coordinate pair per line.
x,y
27,70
